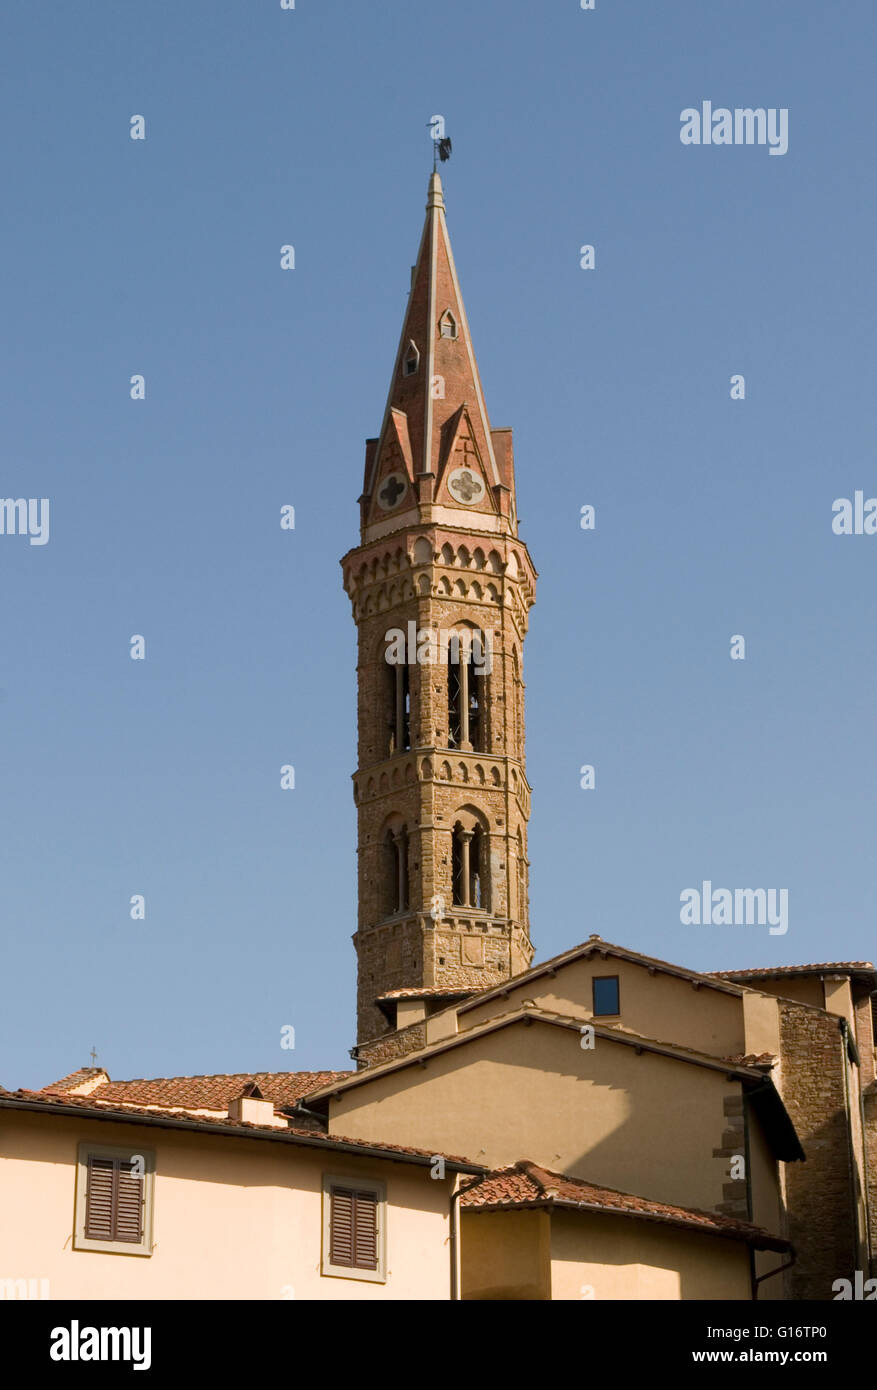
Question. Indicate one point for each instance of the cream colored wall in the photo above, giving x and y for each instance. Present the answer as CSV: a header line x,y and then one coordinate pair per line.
x,y
233,1218
805,989
506,1255
657,1006
645,1124
621,1258
761,1024
839,998
409,1011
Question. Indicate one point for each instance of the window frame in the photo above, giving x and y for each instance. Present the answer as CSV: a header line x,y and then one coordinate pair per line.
x,y
81,1241
374,1185
616,1013
411,355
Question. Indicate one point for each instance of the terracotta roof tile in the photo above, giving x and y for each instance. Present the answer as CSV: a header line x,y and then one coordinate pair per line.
x,y
527,1184
127,1112
428,992
202,1092
77,1078
766,970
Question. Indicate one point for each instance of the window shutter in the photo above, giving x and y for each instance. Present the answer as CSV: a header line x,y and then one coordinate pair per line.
x,y
353,1229
113,1201
341,1228
129,1205
365,1230
99,1198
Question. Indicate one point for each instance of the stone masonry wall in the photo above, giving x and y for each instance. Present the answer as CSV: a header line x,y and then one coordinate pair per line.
x,y
818,1192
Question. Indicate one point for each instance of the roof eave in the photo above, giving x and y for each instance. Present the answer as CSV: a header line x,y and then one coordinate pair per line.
x,y
277,1135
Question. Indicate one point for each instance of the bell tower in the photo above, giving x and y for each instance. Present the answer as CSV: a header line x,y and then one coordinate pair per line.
x,y
441,587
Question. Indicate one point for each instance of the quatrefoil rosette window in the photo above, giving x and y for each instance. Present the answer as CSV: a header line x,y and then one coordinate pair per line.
x,y
465,486
391,491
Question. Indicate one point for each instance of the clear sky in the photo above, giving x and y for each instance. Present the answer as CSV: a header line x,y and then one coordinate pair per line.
x,y
267,127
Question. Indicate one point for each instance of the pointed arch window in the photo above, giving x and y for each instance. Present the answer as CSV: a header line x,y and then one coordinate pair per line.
x,y
395,869
397,702
517,730
411,360
467,692
448,325
522,880
469,867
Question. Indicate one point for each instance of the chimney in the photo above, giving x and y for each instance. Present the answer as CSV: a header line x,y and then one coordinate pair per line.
x,y
252,1107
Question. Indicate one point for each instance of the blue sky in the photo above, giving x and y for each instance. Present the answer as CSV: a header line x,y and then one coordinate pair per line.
x,y
309,127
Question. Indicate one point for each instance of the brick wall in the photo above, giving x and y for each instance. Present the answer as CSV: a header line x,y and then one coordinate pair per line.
x,y
865,1036
397,1044
821,1219
442,581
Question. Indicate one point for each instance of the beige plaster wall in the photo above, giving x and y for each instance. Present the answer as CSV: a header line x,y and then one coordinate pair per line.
x,y
643,1123
657,1006
506,1255
621,1258
233,1218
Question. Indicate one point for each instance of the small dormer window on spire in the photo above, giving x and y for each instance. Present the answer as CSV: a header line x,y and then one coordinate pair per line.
x,y
411,360
448,325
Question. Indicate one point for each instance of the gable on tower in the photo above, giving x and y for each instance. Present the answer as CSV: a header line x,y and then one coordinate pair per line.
x,y
394,471
462,478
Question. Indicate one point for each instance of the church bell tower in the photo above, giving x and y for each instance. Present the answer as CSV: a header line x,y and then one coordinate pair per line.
x,y
441,587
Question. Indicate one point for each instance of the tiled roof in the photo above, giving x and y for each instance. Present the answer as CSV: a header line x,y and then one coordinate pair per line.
x,y
428,992
140,1114
527,1185
752,1059
201,1092
766,970
76,1078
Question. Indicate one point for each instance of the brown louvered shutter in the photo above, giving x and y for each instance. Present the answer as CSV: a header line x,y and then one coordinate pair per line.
x,y
365,1230
341,1227
129,1204
99,1198
113,1201
353,1228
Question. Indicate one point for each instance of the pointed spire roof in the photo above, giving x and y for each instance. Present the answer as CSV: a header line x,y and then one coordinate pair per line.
x,y
436,444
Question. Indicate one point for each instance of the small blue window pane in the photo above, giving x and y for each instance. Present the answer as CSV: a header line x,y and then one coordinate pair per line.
x,y
606,995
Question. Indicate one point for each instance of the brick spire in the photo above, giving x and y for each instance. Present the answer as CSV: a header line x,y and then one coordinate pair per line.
x,y
436,447
441,788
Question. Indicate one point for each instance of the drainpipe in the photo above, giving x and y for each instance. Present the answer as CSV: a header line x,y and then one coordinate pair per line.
x,y
849,1054
452,1240
770,1273
299,1108
753,1281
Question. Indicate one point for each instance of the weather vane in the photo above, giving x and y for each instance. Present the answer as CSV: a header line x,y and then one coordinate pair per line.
x,y
441,143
